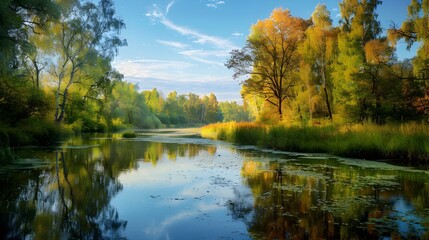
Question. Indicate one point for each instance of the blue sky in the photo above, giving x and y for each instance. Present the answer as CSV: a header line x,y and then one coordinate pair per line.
x,y
182,45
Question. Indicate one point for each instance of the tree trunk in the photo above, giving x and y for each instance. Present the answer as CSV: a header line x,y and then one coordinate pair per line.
x,y
328,105
62,107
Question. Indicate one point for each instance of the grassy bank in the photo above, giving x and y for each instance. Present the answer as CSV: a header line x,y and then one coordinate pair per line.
x,y
36,132
406,141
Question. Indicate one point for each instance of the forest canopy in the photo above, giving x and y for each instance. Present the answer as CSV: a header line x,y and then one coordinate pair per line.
x,y
305,70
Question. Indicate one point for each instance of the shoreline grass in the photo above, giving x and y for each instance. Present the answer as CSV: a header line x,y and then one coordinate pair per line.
x,y
409,141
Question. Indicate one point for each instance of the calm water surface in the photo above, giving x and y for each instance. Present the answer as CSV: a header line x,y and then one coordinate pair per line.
x,y
167,185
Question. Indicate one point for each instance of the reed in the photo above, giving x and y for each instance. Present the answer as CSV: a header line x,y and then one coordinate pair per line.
x,y
408,141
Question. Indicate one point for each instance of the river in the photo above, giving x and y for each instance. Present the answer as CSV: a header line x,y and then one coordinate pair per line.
x,y
171,184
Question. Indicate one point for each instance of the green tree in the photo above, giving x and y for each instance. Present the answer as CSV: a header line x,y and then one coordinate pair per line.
x,y
213,113
415,29
84,33
233,112
359,25
18,20
154,100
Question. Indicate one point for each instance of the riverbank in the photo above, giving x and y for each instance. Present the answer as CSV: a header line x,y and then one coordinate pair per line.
x,y
408,141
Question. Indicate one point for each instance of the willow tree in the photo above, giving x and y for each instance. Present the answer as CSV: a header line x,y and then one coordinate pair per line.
x,y
85,33
270,59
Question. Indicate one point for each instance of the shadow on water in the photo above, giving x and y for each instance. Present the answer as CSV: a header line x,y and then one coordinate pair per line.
x,y
173,185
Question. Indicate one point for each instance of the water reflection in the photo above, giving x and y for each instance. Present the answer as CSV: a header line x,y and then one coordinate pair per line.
x,y
158,188
72,197
318,199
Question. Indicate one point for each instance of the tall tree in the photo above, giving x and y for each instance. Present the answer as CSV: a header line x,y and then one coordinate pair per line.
x,y
85,32
319,51
154,100
213,113
359,25
270,58
378,55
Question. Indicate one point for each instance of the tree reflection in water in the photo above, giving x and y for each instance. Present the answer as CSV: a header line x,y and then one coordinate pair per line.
x,y
323,199
70,200
286,197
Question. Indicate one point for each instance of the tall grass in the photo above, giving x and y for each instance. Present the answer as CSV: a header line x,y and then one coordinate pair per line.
x,y
240,133
408,141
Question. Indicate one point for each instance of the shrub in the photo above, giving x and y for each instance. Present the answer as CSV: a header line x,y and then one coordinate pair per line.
x,y
129,135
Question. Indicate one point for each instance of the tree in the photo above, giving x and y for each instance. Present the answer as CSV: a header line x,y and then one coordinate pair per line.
x,y
270,58
319,51
415,29
18,19
231,111
359,25
213,113
154,100
378,54
84,33
193,108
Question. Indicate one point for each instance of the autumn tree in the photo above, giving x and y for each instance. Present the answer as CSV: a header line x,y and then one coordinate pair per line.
x,y
318,50
270,58
377,68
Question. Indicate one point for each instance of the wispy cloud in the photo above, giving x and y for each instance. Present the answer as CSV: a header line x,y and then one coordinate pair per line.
x,y
168,7
215,51
173,44
179,71
150,68
237,34
214,3
198,37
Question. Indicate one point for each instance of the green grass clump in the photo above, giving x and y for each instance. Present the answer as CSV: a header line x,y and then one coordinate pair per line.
x,y
129,135
241,133
408,141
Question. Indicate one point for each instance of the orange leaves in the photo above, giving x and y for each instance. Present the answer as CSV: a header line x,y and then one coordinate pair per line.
x,y
280,26
378,51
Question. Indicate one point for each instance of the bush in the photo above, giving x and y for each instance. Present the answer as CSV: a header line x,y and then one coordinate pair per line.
x,y
129,135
